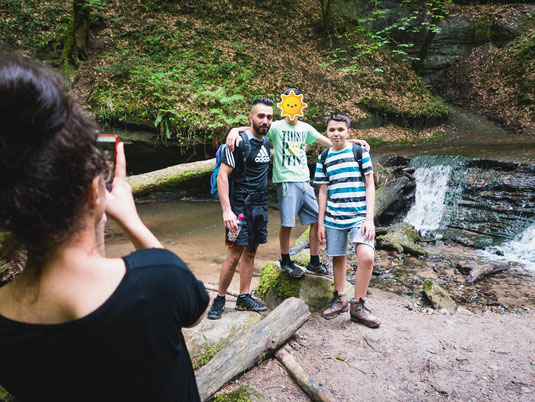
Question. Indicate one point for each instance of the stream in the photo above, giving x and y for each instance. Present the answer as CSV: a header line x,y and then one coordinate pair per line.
x,y
194,231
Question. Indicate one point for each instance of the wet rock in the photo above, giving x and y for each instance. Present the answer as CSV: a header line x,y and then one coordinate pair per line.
x,y
275,286
465,266
492,198
439,298
396,160
400,237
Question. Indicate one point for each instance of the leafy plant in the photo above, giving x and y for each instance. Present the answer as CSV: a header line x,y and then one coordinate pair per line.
x,y
383,30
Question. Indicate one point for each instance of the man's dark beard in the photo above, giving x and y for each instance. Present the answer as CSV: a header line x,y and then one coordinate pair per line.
x,y
261,131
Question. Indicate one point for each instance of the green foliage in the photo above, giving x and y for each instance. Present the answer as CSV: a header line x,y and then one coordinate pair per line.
x,y
6,396
244,393
382,30
205,354
36,27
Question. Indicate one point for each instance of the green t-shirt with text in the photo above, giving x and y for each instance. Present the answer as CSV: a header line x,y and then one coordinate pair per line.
x,y
289,150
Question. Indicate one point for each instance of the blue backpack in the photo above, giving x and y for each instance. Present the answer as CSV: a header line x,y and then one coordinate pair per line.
x,y
245,153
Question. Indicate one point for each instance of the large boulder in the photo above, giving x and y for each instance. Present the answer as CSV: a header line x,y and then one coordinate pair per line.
x,y
275,286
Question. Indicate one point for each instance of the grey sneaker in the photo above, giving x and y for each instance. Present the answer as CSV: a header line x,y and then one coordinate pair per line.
x,y
360,313
250,304
319,269
295,271
337,305
218,305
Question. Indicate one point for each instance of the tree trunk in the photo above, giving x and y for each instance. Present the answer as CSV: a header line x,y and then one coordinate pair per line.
x,y
146,182
80,29
385,196
481,271
247,349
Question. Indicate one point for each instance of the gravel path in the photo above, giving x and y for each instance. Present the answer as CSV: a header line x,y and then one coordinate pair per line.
x,y
417,354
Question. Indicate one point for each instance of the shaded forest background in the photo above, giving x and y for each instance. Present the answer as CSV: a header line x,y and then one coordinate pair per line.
x,y
187,69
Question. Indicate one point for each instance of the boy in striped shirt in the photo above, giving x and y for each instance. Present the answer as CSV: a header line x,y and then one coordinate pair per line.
x,y
346,207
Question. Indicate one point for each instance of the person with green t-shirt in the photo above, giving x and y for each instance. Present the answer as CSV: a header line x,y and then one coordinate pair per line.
x,y
295,194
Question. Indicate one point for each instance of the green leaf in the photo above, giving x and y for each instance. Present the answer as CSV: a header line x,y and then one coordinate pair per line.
x,y
158,120
227,99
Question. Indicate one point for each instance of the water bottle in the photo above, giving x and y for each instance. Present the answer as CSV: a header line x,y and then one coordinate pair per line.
x,y
233,236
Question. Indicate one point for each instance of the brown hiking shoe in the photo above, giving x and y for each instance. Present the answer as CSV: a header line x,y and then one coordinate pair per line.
x,y
359,313
336,306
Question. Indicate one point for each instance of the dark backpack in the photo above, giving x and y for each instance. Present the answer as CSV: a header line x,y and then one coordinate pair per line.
x,y
245,154
357,153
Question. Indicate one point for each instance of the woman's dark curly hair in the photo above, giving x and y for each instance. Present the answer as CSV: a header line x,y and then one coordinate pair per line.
x,y
48,155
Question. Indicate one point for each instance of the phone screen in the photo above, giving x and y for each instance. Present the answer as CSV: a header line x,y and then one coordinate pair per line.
x,y
108,144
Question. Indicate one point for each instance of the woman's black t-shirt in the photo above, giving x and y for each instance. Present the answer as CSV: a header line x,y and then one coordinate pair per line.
x,y
130,349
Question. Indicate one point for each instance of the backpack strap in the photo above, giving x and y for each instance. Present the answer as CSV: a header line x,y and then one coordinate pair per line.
x,y
245,151
323,158
357,152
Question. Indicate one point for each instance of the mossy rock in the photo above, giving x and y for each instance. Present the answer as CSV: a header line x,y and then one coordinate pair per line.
x,y
439,298
244,393
400,237
275,286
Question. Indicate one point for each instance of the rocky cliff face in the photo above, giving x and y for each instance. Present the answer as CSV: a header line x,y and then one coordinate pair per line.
x,y
470,27
492,197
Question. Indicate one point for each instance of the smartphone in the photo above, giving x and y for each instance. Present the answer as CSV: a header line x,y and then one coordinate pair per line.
x,y
108,144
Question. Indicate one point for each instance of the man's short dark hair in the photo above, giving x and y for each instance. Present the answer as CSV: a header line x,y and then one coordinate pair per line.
x,y
296,91
262,100
339,116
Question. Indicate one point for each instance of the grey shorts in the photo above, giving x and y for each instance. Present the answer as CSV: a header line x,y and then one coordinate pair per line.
x,y
337,240
297,198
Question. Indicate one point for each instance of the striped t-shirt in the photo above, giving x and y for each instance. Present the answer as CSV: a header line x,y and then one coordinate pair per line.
x,y
346,192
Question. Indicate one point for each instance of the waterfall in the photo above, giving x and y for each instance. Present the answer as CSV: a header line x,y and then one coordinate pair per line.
x,y
520,249
434,191
429,208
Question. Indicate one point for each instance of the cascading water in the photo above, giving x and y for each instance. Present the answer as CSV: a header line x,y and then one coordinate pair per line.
x,y
428,210
520,250
433,191
482,196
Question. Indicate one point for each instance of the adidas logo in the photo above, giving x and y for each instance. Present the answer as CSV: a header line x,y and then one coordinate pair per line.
x,y
262,156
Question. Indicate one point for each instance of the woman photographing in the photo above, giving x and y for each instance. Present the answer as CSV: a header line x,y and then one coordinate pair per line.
x,y
74,325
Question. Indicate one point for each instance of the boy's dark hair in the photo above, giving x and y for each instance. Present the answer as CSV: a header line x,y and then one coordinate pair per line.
x,y
262,100
339,116
48,155
295,90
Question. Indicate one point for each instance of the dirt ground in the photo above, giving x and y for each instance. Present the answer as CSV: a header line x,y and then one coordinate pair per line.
x,y
417,354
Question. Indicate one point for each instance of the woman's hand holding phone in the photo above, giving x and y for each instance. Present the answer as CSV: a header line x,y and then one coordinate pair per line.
x,y
121,208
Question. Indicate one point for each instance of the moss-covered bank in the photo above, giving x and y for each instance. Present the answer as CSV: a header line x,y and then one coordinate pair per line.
x,y
191,67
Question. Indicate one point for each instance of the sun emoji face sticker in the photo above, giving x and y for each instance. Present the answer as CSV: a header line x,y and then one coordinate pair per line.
x,y
292,105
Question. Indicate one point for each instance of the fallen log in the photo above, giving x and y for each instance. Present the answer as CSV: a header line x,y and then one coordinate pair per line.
x,y
251,346
215,288
172,175
385,196
481,271
300,376
301,243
